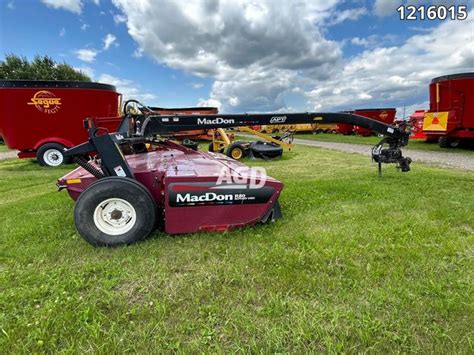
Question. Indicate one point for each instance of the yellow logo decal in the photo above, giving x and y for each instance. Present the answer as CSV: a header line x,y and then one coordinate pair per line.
x,y
46,101
317,119
435,121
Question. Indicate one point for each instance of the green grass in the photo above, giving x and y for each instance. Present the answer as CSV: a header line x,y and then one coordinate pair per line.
x,y
357,264
413,143
3,148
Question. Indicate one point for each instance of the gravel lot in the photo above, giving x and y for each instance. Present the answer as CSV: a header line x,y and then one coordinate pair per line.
x,y
7,155
447,160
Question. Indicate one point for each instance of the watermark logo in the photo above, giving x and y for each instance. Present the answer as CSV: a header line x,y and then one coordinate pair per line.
x,y
46,101
254,178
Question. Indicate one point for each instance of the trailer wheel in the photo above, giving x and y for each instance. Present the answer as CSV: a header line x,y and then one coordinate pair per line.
x,y
236,151
51,154
446,142
115,211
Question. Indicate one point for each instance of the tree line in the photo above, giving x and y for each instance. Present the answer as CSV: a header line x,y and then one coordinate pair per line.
x,y
15,67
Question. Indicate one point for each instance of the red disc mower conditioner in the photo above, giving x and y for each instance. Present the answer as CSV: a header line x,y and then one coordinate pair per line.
x,y
41,118
451,115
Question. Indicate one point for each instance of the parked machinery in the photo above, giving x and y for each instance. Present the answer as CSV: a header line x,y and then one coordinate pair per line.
x,y
121,199
267,148
42,118
450,118
386,115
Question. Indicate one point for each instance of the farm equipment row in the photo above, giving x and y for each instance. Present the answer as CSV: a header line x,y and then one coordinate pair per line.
x,y
121,199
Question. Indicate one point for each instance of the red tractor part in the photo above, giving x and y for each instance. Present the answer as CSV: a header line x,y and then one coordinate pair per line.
x,y
42,118
450,118
416,123
386,115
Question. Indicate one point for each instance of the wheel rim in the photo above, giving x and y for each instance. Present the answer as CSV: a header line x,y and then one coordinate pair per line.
x,y
236,153
115,216
53,157
454,143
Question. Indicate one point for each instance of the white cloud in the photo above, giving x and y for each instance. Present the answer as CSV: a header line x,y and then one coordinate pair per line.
x,y
252,50
86,70
404,112
62,32
386,7
74,6
373,41
197,85
108,40
86,55
344,15
257,54
11,5
398,75
84,26
209,103
128,88
119,19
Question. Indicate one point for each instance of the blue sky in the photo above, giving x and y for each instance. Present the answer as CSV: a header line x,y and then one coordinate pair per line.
x,y
245,55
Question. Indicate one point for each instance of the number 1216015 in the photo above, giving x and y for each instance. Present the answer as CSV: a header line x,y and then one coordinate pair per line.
x,y
433,12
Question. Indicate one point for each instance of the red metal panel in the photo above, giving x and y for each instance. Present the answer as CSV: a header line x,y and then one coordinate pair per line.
x,y
386,115
35,114
167,165
454,94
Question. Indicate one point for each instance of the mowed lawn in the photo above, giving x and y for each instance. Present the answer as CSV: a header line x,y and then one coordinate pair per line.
x,y
466,148
358,263
3,148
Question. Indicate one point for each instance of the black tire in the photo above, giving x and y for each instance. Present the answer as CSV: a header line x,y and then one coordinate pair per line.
x,y
454,143
119,189
237,150
51,154
446,142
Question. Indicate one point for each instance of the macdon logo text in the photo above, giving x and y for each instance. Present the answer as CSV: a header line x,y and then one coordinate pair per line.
x,y
45,101
207,197
218,120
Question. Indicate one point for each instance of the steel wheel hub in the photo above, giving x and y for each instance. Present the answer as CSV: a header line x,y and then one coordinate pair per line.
x,y
53,157
115,216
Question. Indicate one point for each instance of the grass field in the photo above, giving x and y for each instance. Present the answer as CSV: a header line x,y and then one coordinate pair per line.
x,y
3,148
358,263
413,143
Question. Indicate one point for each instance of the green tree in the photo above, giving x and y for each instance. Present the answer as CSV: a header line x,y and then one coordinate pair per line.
x,y
40,68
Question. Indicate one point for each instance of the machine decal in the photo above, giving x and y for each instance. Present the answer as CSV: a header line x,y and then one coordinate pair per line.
x,y
278,119
218,120
46,101
435,121
188,195
383,115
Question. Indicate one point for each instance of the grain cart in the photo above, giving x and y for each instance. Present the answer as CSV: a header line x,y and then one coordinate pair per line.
x,y
42,118
450,118
121,199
